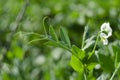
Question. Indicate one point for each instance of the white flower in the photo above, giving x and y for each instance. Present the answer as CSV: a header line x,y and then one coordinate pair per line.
x,y
105,27
106,32
104,37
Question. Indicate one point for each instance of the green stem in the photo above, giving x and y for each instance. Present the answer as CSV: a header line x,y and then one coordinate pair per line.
x,y
36,40
116,56
90,55
85,75
115,71
95,44
30,33
84,35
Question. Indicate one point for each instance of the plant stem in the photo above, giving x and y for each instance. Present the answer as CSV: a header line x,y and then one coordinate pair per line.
x,y
115,71
90,55
36,40
116,56
95,43
85,76
84,35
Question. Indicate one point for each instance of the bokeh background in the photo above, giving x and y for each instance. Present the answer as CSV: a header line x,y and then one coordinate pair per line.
x,y
37,61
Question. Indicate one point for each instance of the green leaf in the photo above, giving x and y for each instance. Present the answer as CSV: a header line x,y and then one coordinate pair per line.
x,y
52,33
106,63
44,25
76,64
64,37
116,50
91,66
89,42
56,44
78,52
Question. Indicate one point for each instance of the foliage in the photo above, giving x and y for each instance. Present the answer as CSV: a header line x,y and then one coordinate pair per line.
x,y
36,47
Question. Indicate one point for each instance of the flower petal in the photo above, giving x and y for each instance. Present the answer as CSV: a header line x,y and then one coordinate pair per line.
x,y
105,41
103,35
106,27
106,32
109,34
103,26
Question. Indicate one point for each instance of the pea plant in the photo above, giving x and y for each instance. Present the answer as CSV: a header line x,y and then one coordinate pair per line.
x,y
83,61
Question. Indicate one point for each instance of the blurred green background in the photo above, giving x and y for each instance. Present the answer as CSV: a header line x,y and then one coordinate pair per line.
x,y
37,61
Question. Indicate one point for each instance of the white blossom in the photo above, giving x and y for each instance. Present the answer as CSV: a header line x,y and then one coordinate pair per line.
x,y
105,27
104,37
106,32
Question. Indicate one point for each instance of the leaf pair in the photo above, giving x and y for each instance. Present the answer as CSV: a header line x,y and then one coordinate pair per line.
x,y
65,41
77,54
76,59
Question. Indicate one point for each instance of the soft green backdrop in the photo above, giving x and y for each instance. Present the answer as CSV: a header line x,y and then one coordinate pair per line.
x,y
36,61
